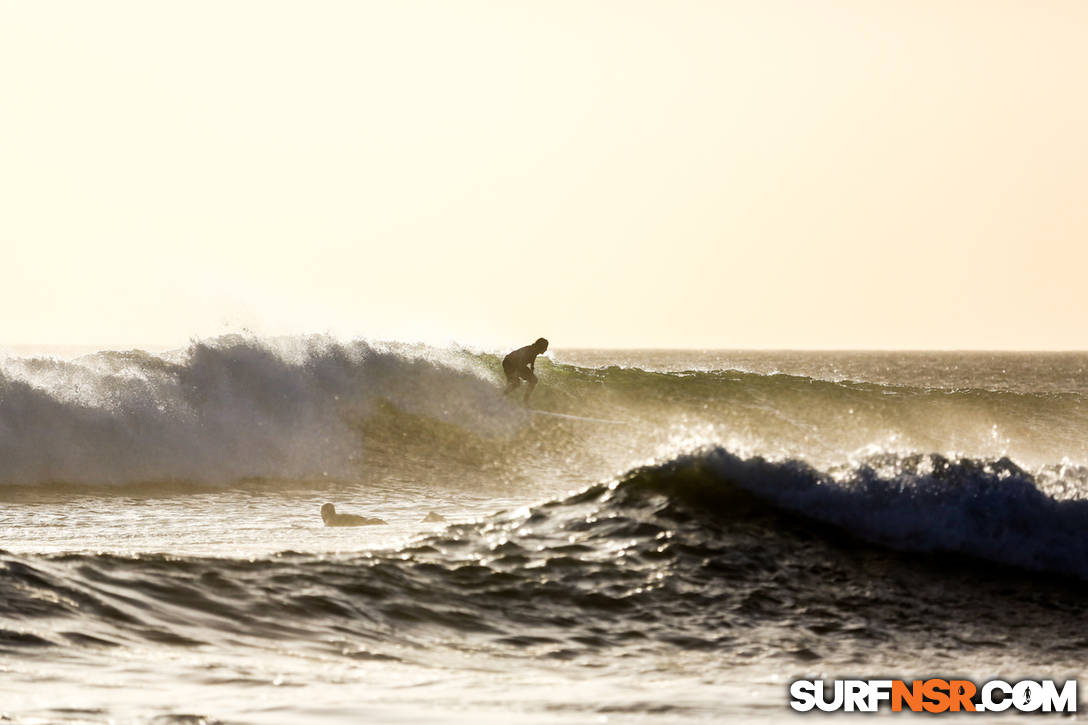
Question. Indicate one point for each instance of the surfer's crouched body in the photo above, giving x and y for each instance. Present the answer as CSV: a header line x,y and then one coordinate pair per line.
x,y
520,365
331,518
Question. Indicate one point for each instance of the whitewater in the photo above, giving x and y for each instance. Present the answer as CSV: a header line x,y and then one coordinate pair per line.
x,y
662,536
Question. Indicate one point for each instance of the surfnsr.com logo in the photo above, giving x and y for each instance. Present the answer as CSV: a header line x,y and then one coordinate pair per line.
x,y
933,695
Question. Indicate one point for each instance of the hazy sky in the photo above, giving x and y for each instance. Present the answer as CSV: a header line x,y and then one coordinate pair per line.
x,y
697,174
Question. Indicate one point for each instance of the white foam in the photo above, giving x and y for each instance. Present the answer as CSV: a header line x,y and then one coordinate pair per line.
x,y
223,410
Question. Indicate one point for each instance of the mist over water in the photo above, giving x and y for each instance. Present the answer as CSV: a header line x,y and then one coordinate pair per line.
x,y
722,520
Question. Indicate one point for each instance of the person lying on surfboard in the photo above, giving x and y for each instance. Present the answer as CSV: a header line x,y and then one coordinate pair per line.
x,y
332,518
520,364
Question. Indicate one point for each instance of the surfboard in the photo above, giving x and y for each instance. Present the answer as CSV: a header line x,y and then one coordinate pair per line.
x,y
577,417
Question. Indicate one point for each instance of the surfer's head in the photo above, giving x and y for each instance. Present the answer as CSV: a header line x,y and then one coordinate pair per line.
x,y
541,345
328,511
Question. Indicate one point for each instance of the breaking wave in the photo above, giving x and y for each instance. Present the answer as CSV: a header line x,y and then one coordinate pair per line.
x,y
989,509
240,409
222,411
708,551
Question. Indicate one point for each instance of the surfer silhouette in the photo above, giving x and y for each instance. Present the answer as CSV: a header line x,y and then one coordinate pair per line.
x,y
520,364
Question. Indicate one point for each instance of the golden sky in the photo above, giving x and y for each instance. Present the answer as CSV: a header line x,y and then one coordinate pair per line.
x,y
785,174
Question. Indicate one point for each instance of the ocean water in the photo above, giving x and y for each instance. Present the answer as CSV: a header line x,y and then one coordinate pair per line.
x,y
694,530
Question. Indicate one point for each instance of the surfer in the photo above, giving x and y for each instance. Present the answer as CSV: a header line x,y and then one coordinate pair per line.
x,y
520,364
331,518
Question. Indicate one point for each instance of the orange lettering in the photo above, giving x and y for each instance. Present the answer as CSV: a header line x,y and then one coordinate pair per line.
x,y
961,693
912,695
935,690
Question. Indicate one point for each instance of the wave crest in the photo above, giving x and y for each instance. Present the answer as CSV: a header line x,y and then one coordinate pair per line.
x,y
987,509
225,410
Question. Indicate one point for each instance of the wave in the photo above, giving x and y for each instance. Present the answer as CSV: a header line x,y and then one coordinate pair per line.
x,y
241,409
707,551
224,410
989,509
